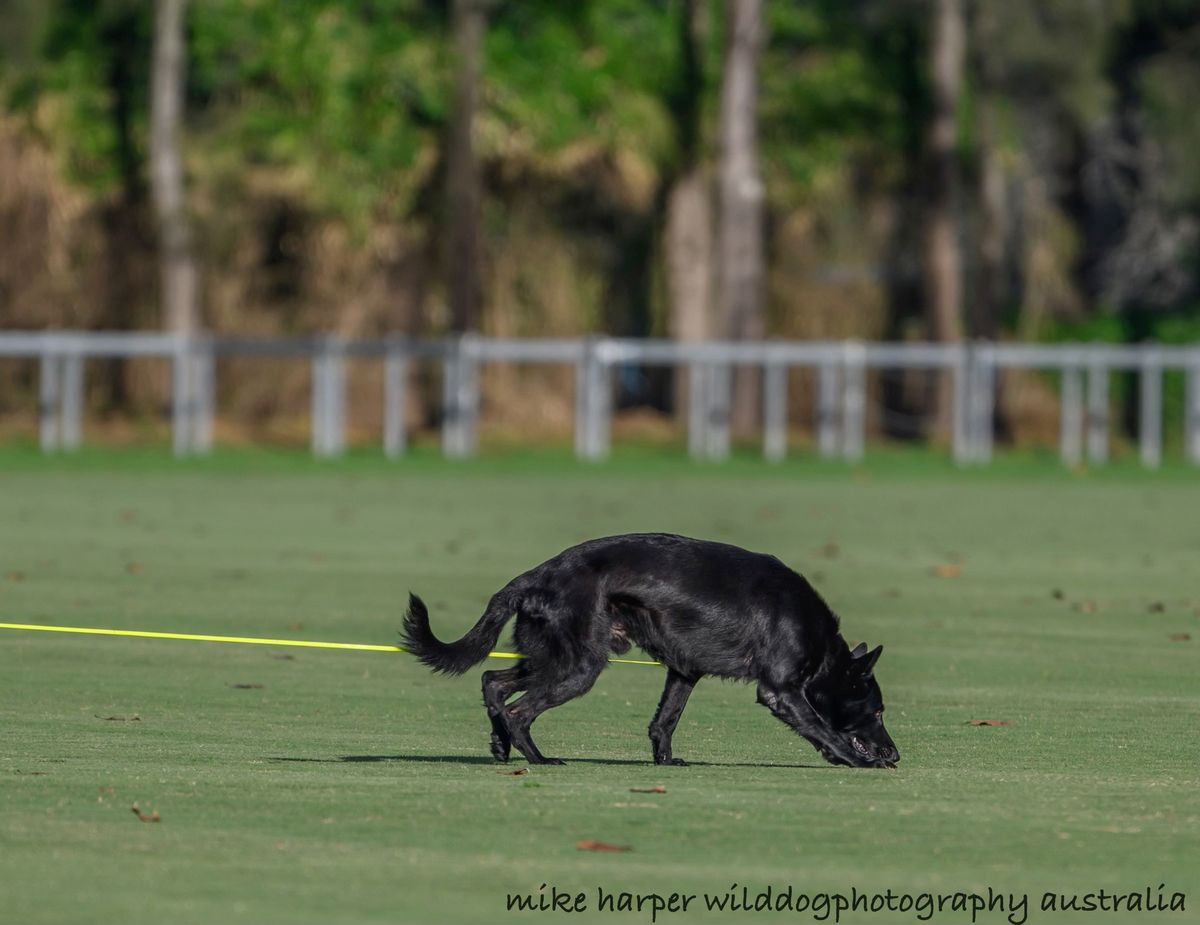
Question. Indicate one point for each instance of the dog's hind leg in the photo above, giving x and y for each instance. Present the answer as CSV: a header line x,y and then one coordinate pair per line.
x,y
498,686
541,696
670,707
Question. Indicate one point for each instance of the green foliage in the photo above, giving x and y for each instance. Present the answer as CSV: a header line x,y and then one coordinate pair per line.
x,y
89,63
342,106
594,71
832,91
352,95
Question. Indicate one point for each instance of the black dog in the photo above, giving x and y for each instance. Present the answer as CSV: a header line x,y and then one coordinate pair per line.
x,y
699,608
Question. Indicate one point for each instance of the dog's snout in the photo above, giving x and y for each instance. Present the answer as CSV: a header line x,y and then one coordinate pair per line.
x,y
889,754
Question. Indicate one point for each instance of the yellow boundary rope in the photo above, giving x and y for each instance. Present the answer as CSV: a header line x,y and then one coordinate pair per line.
x,y
253,640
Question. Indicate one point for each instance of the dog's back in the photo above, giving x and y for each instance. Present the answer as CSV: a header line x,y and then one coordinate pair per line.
x,y
698,606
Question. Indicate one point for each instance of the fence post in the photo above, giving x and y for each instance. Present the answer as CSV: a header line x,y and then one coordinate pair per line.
x,y
468,396
716,426
451,412
337,405
985,404
329,397
1192,411
597,388
181,396
583,397
71,413
395,400
204,388
963,372
49,388
1070,437
1150,408
775,382
1097,409
460,398
854,399
697,407
318,417
827,405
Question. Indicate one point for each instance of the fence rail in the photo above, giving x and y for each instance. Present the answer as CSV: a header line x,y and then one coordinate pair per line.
x,y
840,369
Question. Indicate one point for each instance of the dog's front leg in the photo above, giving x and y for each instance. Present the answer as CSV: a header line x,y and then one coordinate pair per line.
x,y
791,709
670,707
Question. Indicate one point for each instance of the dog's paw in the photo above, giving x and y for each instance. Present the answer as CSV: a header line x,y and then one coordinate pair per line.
x,y
549,761
500,749
677,762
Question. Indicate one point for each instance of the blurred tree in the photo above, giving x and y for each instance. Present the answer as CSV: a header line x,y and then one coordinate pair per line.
x,y
942,257
176,260
320,148
740,258
462,260
688,234
989,292
76,72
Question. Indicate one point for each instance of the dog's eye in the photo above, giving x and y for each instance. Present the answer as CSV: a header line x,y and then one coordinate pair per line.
x,y
879,714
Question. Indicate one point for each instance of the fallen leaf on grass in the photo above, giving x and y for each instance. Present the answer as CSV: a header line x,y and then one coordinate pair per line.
x,y
246,687
590,844
134,568
1180,637
519,772
296,627
15,576
831,550
946,570
658,789
990,722
119,719
142,817
1085,606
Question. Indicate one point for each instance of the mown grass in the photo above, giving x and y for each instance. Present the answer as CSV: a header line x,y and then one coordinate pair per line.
x,y
355,787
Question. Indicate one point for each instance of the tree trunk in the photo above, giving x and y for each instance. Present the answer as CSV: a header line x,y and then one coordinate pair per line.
x,y
688,236
740,200
990,290
463,274
987,301
942,259
689,248
176,260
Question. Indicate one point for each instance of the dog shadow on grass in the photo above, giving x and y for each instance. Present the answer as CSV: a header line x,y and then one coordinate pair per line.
x,y
481,759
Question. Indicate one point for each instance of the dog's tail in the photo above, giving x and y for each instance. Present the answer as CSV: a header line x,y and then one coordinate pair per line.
x,y
455,657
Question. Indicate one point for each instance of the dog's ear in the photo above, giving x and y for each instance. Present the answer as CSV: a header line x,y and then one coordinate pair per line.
x,y
859,650
865,663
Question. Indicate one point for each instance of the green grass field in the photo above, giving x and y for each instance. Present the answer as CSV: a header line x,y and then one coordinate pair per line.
x,y
356,787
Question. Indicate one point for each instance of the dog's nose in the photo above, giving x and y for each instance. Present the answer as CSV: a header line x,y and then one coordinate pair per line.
x,y
889,753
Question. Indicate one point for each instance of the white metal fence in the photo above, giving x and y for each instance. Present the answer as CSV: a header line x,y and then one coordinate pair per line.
x,y
840,370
